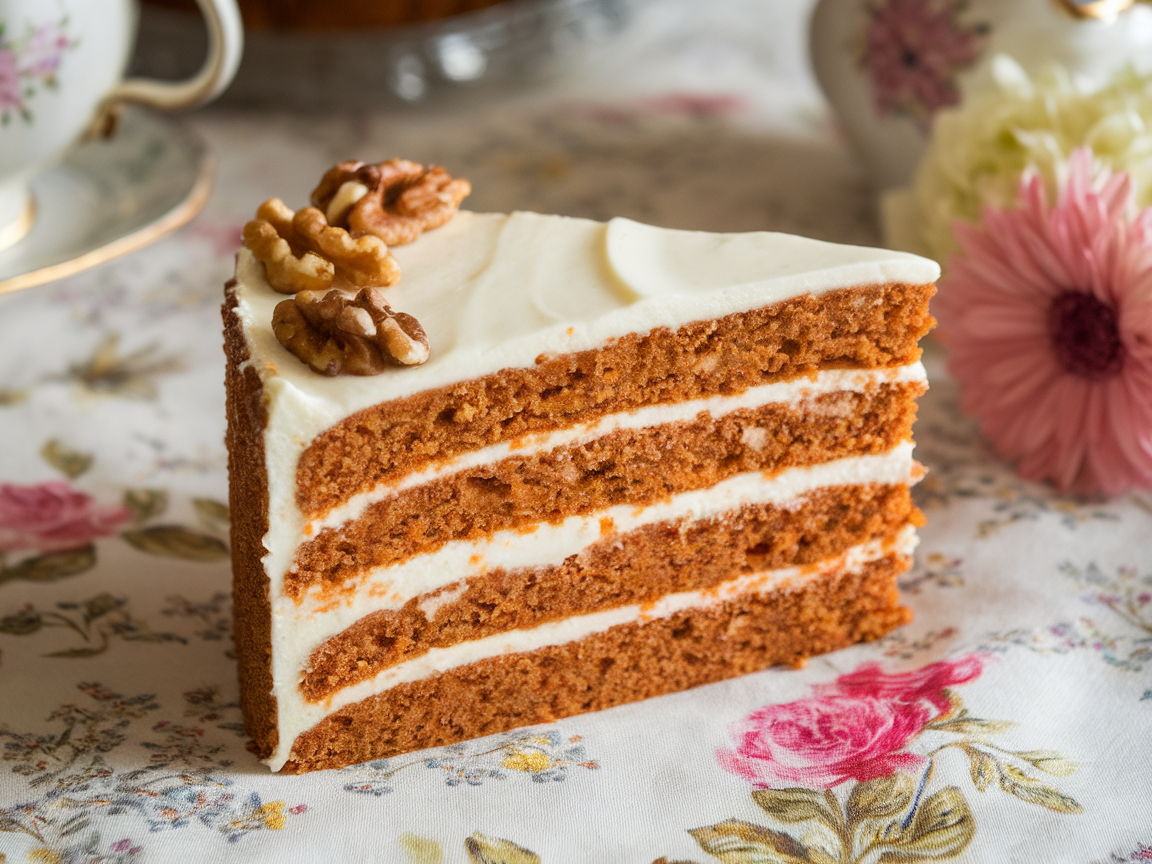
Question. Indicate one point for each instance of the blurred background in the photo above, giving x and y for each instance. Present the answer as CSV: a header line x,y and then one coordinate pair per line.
x,y
379,55
671,111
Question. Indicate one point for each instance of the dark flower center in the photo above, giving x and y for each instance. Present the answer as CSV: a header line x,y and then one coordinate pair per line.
x,y
1084,335
909,58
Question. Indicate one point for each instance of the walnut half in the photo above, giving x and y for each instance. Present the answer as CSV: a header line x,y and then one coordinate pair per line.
x,y
288,265
395,200
300,251
335,333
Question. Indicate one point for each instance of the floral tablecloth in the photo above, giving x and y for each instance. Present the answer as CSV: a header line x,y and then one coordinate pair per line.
x,y
1011,722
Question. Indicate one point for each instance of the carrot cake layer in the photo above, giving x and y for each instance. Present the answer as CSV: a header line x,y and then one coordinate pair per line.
x,y
622,569
685,641
874,327
630,466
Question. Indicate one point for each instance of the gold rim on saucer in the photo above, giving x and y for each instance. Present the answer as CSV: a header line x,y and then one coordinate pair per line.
x,y
180,215
203,165
14,232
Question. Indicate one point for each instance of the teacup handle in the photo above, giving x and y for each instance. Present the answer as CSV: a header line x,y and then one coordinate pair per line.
x,y
225,45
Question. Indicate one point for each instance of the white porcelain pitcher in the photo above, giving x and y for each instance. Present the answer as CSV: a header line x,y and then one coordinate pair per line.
x,y
888,66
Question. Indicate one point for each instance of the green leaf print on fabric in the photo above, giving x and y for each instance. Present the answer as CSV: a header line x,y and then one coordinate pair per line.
x,y
129,376
494,850
97,621
965,725
211,510
1016,782
797,805
737,842
145,504
71,463
480,850
421,850
880,798
176,541
941,827
51,566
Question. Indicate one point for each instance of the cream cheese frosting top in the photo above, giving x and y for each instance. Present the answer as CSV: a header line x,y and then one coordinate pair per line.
x,y
496,291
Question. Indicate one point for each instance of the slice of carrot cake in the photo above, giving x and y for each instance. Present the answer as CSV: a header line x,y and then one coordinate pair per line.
x,y
636,460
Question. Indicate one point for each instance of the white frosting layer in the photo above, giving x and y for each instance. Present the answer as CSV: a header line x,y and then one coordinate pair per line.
x,y
438,660
497,291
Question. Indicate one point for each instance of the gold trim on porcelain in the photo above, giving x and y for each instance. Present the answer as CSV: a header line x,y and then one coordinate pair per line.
x,y
14,232
179,215
1106,10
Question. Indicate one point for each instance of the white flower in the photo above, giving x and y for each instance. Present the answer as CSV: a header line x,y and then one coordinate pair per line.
x,y
979,151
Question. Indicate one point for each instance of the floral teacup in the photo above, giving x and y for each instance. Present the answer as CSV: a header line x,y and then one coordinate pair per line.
x,y
61,69
887,66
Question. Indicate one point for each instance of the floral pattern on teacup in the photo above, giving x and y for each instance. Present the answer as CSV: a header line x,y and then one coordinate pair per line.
x,y
912,52
28,63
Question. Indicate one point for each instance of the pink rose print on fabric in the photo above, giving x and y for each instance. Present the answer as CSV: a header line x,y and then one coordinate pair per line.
x,y
52,516
825,741
853,729
923,685
912,52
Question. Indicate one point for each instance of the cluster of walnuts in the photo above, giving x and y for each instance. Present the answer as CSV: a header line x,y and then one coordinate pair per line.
x,y
333,258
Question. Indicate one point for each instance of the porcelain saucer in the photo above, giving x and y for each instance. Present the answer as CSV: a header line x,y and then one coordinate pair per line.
x,y
109,197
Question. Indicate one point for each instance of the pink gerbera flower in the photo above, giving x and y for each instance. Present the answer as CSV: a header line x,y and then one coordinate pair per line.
x,y
1047,313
